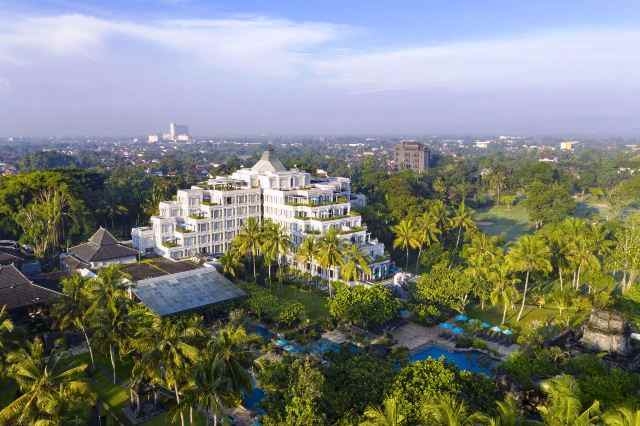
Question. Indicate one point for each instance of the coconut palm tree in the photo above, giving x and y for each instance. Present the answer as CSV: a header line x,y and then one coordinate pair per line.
x,y
391,414
559,237
504,291
307,252
330,253
446,410
508,414
563,406
230,262
70,312
6,328
210,388
355,264
482,255
109,312
529,254
232,347
249,239
53,392
166,352
582,254
281,243
622,416
461,220
427,233
405,237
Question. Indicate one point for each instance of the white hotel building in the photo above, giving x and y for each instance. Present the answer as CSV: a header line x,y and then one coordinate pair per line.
x,y
206,218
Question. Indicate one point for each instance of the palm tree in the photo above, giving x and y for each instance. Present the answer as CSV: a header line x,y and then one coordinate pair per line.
x,y
427,233
497,181
406,237
582,254
461,220
622,416
210,387
355,264
563,406
232,347
109,312
308,251
70,312
558,236
166,349
529,254
508,414
448,411
482,255
391,414
248,240
53,392
504,291
330,253
6,328
230,262
281,243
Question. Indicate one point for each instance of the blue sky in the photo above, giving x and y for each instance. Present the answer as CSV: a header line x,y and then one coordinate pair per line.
x,y
268,67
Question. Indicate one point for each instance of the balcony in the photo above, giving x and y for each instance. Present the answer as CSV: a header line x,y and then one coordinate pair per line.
x,y
183,230
170,244
312,202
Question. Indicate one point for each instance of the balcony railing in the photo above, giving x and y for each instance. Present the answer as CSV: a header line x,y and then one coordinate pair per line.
x,y
314,203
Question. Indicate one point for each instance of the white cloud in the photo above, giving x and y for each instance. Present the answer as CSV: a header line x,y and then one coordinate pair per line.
x,y
553,60
261,44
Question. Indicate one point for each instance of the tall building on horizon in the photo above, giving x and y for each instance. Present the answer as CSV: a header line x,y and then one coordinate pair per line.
x,y
412,155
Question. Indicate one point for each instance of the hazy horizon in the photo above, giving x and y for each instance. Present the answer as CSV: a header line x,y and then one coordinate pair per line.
x,y
244,68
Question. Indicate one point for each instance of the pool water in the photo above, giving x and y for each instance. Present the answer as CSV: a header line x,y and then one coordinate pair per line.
x,y
262,331
253,400
473,361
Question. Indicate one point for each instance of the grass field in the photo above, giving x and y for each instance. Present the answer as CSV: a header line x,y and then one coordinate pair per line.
x,y
508,222
493,315
115,397
314,301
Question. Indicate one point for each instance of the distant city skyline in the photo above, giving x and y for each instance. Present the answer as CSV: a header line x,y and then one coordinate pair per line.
x,y
246,67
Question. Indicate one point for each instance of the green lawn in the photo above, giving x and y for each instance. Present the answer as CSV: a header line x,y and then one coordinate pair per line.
x,y
314,301
508,222
116,396
493,315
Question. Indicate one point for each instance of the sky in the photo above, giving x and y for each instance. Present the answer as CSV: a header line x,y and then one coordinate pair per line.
x,y
129,67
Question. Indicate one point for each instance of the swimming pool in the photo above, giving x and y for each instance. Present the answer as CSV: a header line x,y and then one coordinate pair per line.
x,y
473,361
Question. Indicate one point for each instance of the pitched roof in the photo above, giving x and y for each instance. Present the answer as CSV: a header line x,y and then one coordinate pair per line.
x,y
102,237
101,246
16,291
184,291
269,163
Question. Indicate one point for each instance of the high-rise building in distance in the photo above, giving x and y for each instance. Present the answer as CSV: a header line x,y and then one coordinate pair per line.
x,y
412,155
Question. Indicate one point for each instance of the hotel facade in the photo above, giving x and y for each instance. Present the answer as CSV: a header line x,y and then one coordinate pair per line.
x,y
204,219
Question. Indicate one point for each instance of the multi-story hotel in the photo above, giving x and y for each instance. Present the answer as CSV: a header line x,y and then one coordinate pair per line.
x,y
206,218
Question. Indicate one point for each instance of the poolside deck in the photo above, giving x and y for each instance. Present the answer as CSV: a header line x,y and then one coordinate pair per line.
x,y
413,336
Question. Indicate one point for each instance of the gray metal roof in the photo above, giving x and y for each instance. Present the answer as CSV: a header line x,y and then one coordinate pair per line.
x,y
184,291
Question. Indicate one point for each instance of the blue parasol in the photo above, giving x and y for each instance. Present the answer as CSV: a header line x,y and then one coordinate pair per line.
x,y
461,317
496,329
456,330
446,325
485,325
507,332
